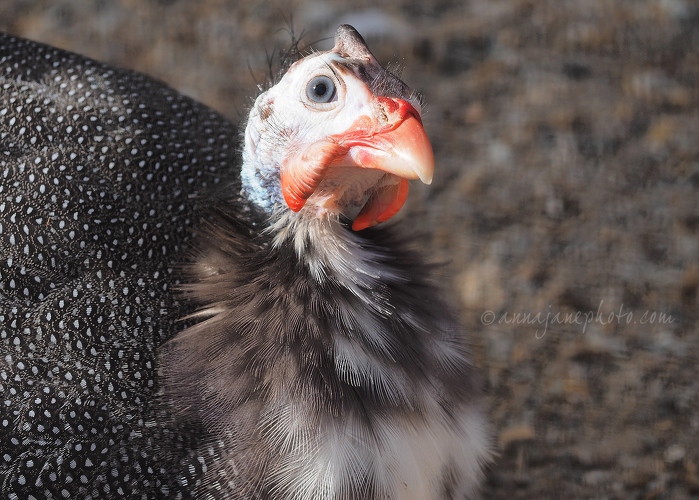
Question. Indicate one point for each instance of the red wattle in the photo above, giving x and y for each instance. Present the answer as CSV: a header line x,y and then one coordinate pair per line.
x,y
302,173
382,205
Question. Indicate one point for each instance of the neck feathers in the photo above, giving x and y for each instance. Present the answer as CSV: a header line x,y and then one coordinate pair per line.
x,y
308,326
331,251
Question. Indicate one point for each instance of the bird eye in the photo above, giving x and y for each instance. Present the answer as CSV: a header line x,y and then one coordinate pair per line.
x,y
321,89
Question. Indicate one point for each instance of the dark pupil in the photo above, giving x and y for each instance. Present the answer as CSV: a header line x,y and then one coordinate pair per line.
x,y
320,89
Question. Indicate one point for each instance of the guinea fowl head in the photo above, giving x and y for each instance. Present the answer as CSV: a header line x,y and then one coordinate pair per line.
x,y
337,136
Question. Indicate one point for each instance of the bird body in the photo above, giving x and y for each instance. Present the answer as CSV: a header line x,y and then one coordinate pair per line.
x,y
315,358
98,172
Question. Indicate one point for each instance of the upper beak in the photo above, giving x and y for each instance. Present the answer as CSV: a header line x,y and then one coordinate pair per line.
x,y
400,146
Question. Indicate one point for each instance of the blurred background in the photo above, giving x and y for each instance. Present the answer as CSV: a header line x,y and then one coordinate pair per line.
x,y
566,135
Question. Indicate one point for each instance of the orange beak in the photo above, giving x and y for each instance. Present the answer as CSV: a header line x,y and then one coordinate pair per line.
x,y
398,145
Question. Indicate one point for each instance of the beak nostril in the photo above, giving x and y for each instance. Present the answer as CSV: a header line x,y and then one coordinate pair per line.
x,y
397,110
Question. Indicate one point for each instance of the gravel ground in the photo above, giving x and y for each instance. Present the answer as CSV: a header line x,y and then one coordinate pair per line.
x,y
566,200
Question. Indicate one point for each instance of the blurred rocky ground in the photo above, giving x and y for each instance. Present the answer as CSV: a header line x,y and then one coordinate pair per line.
x,y
566,134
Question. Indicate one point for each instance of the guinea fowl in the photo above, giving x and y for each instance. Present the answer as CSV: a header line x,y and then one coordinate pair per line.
x,y
179,321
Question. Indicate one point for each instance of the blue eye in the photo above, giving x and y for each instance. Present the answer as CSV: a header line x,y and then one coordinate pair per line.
x,y
320,89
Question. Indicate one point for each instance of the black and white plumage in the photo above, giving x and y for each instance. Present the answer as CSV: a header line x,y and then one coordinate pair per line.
x,y
319,362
